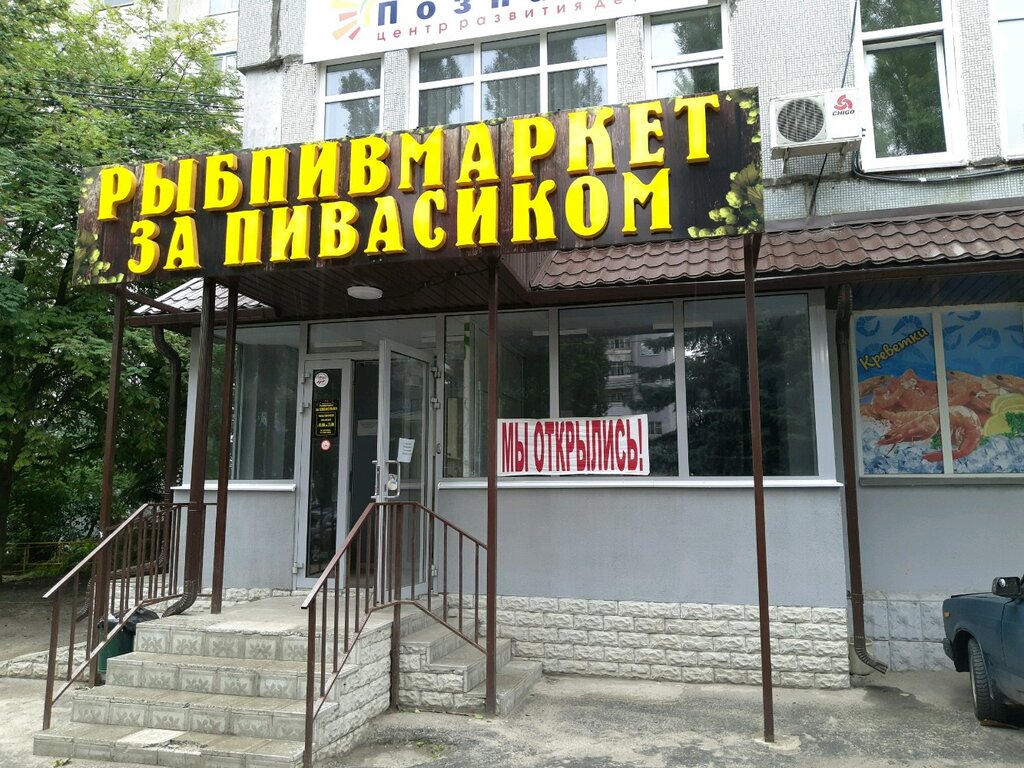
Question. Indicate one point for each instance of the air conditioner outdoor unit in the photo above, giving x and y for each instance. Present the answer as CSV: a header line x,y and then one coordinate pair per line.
x,y
816,123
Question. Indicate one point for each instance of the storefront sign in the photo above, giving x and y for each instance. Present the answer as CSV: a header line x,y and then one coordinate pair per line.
x,y
657,170
602,446
345,29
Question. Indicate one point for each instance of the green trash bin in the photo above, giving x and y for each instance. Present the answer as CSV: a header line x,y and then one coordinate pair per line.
x,y
124,641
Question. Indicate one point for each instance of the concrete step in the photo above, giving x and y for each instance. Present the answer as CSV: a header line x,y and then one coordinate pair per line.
x,y
514,682
435,641
252,716
152,746
210,674
466,667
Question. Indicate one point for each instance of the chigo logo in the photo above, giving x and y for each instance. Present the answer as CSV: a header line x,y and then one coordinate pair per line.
x,y
843,106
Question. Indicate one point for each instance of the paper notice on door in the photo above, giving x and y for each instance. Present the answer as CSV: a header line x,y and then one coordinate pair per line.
x,y
405,448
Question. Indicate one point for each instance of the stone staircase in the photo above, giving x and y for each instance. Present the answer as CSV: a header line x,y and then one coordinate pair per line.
x,y
217,691
439,671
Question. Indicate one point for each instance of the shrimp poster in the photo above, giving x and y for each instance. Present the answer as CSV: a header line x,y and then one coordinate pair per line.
x,y
958,412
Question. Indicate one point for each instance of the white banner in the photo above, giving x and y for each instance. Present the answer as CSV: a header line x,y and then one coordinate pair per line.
x,y
346,29
611,445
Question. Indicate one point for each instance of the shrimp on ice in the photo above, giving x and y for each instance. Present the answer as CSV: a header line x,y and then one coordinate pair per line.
x,y
964,432
910,426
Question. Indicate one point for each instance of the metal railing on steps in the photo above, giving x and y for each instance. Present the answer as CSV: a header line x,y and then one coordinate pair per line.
x,y
135,565
391,557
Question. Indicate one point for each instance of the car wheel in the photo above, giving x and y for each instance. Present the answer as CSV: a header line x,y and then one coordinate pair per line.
x,y
986,704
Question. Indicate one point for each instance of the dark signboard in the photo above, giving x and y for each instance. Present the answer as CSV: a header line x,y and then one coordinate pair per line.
x,y
666,169
325,418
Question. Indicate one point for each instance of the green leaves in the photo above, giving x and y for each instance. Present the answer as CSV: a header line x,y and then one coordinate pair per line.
x,y
81,85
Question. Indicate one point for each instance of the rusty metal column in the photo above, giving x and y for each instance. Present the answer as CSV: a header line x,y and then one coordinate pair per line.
x,y
195,526
173,390
100,575
227,405
491,688
751,246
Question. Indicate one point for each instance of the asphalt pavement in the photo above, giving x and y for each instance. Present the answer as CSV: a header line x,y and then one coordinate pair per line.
x,y
904,719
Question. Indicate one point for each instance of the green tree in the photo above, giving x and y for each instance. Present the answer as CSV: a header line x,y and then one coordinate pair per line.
x,y
82,86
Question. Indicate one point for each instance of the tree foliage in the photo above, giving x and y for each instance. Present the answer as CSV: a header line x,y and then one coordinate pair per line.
x,y
80,86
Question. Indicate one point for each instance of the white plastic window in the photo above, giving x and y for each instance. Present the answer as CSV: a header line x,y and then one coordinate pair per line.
x,y
223,6
526,75
351,99
687,52
1009,47
909,68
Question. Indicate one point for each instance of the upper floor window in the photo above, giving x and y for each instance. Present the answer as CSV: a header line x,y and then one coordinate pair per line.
x,y
909,70
1009,15
116,3
687,52
514,76
223,6
227,62
352,99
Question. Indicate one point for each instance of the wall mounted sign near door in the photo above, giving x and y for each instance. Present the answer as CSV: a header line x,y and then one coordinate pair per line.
x,y
325,445
325,418
322,379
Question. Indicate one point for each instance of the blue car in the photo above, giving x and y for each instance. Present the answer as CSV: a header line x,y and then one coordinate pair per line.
x,y
985,637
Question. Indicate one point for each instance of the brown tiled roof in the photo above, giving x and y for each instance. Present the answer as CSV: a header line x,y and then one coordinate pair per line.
x,y
189,297
899,241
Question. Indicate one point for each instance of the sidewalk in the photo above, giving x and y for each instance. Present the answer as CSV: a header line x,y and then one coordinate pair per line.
x,y
907,719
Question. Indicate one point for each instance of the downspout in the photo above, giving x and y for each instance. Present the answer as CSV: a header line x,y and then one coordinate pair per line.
x,y
174,388
846,406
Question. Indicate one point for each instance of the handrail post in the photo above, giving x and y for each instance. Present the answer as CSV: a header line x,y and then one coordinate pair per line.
x,y
307,752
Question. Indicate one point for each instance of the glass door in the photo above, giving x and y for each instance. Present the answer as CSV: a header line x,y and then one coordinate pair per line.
x,y
403,452
323,492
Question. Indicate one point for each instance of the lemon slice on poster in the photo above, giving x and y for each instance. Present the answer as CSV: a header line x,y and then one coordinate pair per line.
x,y
1002,403
998,424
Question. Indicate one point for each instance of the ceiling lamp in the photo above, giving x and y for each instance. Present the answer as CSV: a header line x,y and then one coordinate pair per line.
x,y
364,292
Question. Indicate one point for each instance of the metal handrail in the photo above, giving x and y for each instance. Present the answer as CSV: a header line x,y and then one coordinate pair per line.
x,y
135,565
390,540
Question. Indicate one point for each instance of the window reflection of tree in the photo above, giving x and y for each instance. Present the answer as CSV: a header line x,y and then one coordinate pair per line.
x,y
363,114
906,101
441,105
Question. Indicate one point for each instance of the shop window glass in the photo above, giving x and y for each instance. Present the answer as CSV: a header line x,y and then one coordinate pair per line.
x,y
620,361
266,382
524,383
961,414
897,385
717,397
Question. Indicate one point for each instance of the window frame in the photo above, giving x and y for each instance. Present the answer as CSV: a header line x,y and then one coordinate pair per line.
x,y
542,70
943,35
324,99
232,7
1004,87
722,56
821,386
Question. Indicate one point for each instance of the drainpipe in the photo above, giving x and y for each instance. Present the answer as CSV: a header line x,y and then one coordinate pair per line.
x,y
174,361
846,406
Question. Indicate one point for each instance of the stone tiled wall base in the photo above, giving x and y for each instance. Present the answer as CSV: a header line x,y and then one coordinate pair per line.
x,y
906,631
361,696
687,642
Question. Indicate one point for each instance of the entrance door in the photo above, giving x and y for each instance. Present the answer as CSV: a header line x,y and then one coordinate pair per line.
x,y
325,449
364,438
403,460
